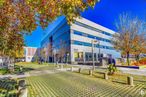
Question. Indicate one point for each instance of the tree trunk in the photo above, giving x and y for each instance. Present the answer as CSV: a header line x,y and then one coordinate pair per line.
x,y
128,62
14,61
137,57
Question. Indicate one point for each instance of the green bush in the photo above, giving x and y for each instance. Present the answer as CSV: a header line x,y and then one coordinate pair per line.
x,y
111,69
4,71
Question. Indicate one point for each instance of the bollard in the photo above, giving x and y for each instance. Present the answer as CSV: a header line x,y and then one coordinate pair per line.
x,y
79,70
71,69
57,66
23,92
61,66
21,84
105,76
130,80
90,72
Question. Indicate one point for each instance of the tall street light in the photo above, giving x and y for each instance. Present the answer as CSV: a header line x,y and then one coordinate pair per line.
x,y
54,55
99,50
93,42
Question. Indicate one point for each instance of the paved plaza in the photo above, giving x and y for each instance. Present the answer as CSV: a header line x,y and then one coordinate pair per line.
x,y
54,81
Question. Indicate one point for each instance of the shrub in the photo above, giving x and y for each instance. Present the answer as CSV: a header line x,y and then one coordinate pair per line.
x,y
142,61
4,71
111,69
135,64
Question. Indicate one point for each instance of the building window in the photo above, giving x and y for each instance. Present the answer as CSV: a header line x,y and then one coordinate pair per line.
x,y
92,28
75,42
108,34
91,36
87,44
89,56
77,33
78,56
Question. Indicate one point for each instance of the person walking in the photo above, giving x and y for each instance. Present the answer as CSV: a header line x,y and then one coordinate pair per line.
x,y
109,60
114,62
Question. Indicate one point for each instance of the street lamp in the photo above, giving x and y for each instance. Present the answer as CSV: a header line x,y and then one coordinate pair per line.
x,y
99,50
93,42
67,61
54,55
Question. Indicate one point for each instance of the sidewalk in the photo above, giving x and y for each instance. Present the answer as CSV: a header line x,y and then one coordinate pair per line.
x,y
14,75
133,71
41,72
36,73
141,72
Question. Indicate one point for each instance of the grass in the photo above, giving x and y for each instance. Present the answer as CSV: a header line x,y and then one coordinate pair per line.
x,y
32,65
27,66
44,66
68,84
3,71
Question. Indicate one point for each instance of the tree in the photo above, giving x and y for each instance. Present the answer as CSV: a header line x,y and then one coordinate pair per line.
x,y
23,16
11,45
140,45
49,50
63,49
129,37
43,53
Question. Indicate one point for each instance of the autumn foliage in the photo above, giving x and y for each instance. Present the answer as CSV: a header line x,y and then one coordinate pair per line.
x,y
131,37
23,16
140,62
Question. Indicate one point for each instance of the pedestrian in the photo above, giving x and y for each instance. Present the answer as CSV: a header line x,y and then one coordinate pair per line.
x,y
114,62
42,60
109,60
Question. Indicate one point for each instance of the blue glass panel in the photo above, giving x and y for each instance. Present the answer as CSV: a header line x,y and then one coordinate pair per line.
x,y
77,33
92,28
90,45
77,42
90,36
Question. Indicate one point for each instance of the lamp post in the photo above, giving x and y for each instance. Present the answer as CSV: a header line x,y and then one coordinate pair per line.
x,y
99,50
54,55
93,41
67,58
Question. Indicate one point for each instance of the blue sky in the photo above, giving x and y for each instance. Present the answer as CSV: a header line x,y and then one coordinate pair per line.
x,y
105,13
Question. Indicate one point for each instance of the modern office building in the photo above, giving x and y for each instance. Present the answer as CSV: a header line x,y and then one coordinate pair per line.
x,y
77,42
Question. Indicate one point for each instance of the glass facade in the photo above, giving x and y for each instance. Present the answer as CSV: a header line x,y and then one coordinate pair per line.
x,y
92,28
89,56
75,42
91,36
63,36
59,38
